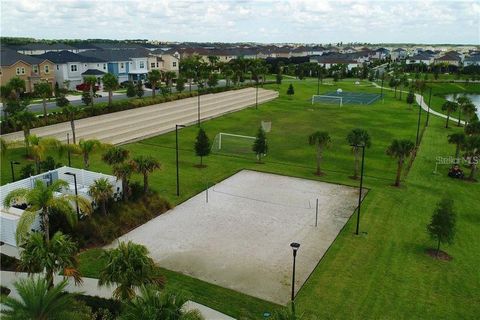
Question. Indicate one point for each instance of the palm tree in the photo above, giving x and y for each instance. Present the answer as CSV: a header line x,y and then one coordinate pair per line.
x,y
155,304
400,149
458,139
71,112
469,112
449,107
39,146
91,81
58,254
37,301
44,90
115,155
462,101
357,138
320,140
17,85
124,171
128,267
472,152
86,147
26,120
154,77
41,199
110,83
169,76
101,191
145,166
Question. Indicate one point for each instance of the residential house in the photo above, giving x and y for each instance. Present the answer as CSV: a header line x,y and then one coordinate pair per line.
x,y
316,51
381,53
421,58
472,60
450,58
31,69
300,52
40,48
398,54
163,61
327,61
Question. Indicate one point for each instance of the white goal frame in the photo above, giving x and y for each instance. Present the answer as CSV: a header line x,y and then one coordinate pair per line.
x,y
334,97
231,135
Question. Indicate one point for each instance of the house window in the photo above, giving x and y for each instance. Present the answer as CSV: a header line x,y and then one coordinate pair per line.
x,y
20,70
142,64
152,64
122,65
104,66
157,64
174,64
58,68
73,67
23,70
35,69
47,69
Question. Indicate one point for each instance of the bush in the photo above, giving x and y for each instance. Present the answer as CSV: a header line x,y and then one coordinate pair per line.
x,y
27,171
104,309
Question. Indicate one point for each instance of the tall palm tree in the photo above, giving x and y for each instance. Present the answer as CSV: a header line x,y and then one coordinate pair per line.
x,y
357,138
115,155
91,81
320,140
110,83
449,107
39,146
86,147
26,120
44,90
400,149
471,146
58,254
101,191
469,112
17,85
71,112
462,101
124,171
128,267
169,76
154,77
154,304
458,139
37,301
145,166
41,199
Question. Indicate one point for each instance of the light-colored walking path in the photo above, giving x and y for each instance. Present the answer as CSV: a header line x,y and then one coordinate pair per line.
x,y
420,101
90,287
140,123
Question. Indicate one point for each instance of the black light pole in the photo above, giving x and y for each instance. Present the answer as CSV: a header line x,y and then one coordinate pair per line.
x,y
76,190
295,246
256,95
198,107
361,187
381,92
13,172
176,158
68,150
419,117
428,107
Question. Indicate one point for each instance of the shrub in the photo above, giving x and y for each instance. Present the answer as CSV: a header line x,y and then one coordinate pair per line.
x,y
27,171
104,309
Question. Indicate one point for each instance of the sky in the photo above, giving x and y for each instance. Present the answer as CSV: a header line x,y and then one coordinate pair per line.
x,y
263,21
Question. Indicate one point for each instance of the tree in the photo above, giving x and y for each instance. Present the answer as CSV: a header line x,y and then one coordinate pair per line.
x,y
86,97
212,80
290,90
26,120
44,90
71,113
39,146
442,225
58,254
471,146
260,146
278,78
169,76
91,82
356,138
86,147
449,107
320,140
128,267
202,145
110,83
115,155
469,112
42,199
154,77
400,149
17,85
180,86
101,192
139,89
155,304
124,171
131,91
410,97
37,301
473,128
145,166
458,139
62,100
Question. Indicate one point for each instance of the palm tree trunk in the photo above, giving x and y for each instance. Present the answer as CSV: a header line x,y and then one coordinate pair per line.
x,y
85,160
401,89
399,172
355,173
110,94
457,153
448,119
104,207
459,116
145,182
72,124
26,133
91,94
438,247
44,101
46,224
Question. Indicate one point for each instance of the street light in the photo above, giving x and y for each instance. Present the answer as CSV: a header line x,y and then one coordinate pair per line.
x,y
428,107
295,246
198,106
383,78
176,158
361,186
76,190
417,141
68,149
256,95
11,166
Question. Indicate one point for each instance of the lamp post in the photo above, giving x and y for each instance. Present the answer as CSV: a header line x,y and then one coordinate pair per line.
x,y
428,107
76,190
176,158
361,186
295,246
381,92
11,167
68,150
198,107
256,95
417,141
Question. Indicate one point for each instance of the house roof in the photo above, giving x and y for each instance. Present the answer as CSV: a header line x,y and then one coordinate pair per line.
x,y
399,50
422,56
116,55
9,57
473,58
335,59
44,46
93,72
60,57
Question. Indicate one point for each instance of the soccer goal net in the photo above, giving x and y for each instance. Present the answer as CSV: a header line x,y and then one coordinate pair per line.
x,y
233,143
327,99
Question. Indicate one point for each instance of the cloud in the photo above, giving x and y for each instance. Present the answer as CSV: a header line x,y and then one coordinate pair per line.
x,y
322,21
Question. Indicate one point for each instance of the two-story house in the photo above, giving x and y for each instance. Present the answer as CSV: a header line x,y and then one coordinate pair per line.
x,y
163,61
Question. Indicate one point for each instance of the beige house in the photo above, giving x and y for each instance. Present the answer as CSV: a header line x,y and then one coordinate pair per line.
x,y
159,60
30,69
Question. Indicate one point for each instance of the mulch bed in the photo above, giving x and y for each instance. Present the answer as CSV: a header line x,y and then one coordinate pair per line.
x,y
442,255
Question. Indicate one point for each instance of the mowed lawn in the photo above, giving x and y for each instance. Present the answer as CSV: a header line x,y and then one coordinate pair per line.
x,y
384,273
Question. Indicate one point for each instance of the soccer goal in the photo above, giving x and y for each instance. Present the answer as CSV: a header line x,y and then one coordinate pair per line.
x,y
233,143
327,99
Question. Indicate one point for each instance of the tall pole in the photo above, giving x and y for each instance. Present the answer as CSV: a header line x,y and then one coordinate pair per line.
x,y
360,193
381,92
428,107
293,275
176,159
419,117
256,96
198,108
68,150
11,167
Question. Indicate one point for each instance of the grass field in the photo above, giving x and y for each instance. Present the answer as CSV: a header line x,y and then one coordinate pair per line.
x,y
382,274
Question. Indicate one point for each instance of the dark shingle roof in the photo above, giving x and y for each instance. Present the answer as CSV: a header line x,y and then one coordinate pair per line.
x,y
421,56
67,56
93,72
116,55
9,57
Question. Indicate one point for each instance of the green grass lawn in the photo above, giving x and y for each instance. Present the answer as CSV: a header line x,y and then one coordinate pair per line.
x,y
381,274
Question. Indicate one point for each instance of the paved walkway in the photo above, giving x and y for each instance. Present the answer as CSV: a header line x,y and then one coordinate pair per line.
x,y
90,287
419,99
